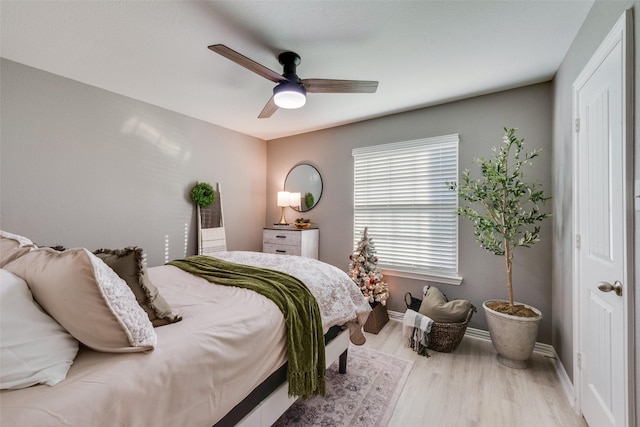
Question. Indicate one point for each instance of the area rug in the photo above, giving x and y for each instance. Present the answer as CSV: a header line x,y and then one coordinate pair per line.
x,y
365,396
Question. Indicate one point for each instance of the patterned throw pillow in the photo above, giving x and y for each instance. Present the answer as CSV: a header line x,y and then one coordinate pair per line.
x,y
129,264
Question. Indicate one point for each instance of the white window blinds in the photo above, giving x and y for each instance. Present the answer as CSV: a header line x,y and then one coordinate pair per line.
x,y
401,194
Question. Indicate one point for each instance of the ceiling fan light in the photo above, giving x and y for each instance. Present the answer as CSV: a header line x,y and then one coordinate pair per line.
x,y
289,95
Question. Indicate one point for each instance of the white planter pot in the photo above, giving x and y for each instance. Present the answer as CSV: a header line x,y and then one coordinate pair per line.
x,y
513,337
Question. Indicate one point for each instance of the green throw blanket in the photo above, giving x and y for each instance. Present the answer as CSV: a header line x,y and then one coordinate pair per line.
x,y
305,340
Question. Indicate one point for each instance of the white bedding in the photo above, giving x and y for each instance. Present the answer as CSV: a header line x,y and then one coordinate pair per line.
x,y
229,341
340,301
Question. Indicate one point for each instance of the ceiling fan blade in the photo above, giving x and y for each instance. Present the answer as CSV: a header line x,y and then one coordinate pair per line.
x,y
268,109
247,63
339,86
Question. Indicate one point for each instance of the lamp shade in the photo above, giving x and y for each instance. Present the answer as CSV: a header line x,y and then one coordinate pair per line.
x,y
283,198
294,200
289,95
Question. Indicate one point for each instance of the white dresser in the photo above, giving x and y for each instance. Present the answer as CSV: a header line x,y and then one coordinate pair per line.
x,y
291,241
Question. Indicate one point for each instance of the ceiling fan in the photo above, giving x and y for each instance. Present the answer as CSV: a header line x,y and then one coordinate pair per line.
x,y
291,91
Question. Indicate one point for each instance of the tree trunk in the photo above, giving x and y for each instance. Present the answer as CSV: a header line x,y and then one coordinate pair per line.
x,y
507,257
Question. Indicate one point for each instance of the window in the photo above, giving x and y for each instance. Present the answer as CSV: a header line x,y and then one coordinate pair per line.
x,y
401,194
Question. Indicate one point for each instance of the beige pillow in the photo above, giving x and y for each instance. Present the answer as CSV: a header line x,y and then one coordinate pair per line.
x,y
435,306
87,298
128,263
13,246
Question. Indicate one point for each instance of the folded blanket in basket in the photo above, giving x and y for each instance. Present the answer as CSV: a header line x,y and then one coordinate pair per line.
x,y
416,328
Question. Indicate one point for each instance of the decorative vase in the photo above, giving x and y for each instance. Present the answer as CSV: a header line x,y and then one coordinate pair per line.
x,y
513,337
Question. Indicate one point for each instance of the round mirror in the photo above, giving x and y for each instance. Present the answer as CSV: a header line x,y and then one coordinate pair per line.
x,y
306,180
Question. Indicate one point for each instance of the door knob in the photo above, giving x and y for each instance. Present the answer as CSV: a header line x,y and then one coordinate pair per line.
x,y
608,287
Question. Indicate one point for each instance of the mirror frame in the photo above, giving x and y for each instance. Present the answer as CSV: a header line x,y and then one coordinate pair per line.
x,y
304,191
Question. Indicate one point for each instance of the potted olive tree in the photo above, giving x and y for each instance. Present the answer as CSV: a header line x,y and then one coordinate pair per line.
x,y
505,212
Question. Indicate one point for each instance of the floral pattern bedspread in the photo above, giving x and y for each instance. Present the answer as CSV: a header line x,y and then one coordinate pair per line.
x,y
339,299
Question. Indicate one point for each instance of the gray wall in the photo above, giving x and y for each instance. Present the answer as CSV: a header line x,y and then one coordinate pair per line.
x,y
80,166
479,121
601,18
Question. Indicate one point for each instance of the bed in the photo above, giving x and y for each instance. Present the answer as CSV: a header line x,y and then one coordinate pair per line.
x,y
213,367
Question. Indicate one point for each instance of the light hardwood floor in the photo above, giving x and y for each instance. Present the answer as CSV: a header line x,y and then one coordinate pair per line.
x,y
470,388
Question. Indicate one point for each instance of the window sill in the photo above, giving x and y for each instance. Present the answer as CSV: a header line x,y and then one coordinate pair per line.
x,y
448,280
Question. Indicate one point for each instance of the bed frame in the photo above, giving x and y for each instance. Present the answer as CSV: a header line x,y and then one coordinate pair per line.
x,y
267,402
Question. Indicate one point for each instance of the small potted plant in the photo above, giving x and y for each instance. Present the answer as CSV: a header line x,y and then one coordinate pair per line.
x,y
505,212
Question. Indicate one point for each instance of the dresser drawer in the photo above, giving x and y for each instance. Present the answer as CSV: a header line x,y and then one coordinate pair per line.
x,y
281,237
271,248
291,242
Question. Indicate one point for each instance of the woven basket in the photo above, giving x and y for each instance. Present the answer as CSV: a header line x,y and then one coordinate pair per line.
x,y
444,337
377,318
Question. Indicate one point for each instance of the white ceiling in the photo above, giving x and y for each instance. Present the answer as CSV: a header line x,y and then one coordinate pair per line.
x,y
422,52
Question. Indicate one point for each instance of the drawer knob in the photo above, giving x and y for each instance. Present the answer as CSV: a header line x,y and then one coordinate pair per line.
x,y
280,251
281,237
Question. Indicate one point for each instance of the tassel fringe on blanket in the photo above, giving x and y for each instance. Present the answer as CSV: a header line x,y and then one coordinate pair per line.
x,y
416,328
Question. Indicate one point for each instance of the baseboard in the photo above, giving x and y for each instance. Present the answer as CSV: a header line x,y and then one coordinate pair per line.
x,y
565,381
540,348
395,315
545,350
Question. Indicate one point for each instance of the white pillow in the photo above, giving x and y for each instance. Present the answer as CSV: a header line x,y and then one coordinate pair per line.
x,y
34,348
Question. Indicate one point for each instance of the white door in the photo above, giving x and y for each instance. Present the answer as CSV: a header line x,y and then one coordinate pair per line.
x,y
603,234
